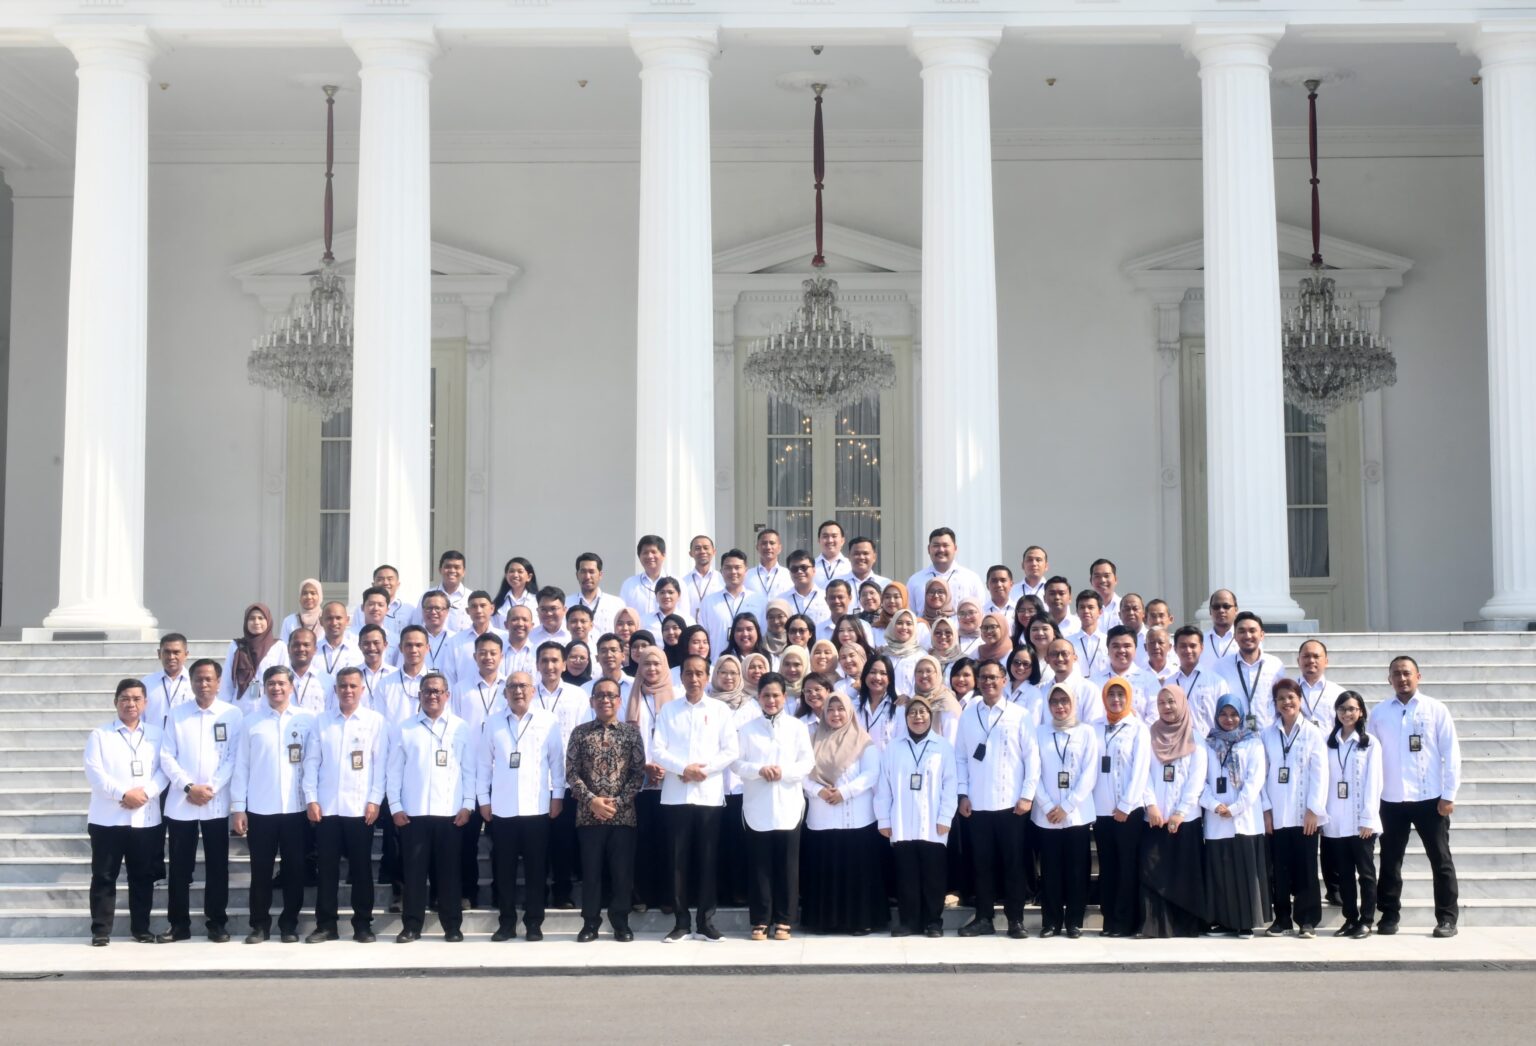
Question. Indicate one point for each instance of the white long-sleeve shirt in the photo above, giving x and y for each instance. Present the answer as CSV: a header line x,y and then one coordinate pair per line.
x,y
720,608
112,755
768,582
345,763
783,741
312,690
1030,699
251,697
1074,752
163,694
1242,770
882,721
534,743
568,703
1204,687
1298,757
199,749
1254,683
964,583
1128,747
857,787
915,814
1144,688
1174,788
687,733
1092,657
477,702
1360,770
1217,649
420,781
1432,772
1317,702
269,761
1009,769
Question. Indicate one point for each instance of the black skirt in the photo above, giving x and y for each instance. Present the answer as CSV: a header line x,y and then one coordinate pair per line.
x,y
842,886
1173,897
1237,882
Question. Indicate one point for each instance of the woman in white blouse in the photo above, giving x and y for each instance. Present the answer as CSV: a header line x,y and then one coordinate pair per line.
x,y
1063,812
311,597
915,802
1236,874
1119,799
1172,873
1354,812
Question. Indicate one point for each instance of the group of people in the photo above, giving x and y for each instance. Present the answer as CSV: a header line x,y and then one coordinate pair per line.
x,y
812,740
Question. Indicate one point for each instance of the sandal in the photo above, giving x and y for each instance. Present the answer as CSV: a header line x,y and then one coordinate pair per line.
x,y
759,933
781,932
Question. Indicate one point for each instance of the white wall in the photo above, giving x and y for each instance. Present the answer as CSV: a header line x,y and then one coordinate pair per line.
x,y
1079,448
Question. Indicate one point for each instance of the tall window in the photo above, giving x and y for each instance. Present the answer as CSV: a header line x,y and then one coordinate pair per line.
x,y
1306,492
823,468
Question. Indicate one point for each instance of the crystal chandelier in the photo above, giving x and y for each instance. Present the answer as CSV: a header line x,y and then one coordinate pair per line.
x,y
1329,358
307,355
818,361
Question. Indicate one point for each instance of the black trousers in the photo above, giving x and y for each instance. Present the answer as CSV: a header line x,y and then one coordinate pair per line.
x,y
774,861
182,838
653,852
352,838
430,844
272,835
528,838
996,837
564,857
607,849
390,868
1063,876
695,835
1293,860
1435,833
1356,859
1332,873
920,868
111,847
469,856
1119,845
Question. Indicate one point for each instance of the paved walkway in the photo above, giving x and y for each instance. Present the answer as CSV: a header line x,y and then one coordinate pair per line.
x,y
1512,948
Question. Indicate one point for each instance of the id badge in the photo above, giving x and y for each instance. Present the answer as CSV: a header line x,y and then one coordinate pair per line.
x,y
1415,742
1253,722
1221,786
1063,779
220,732
1282,775
1343,789
1167,773
295,753
915,782
442,757
514,760
980,753
1104,764
357,760
136,768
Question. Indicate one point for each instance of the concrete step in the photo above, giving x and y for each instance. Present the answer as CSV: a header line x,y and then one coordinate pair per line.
x,y
41,777
1499,788
1422,645
17,758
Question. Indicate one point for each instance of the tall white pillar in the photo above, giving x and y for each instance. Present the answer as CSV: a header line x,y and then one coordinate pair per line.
x,y
961,478
392,372
674,338
101,535
1508,55
1245,421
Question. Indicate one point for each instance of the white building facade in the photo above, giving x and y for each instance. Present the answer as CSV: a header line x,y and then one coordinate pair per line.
x,y
1076,225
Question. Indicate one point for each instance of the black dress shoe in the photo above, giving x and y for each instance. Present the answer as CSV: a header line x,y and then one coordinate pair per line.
x,y
978,927
1016,930
101,940
624,935
363,936
257,936
587,935
503,935
174,935
901,931
1049,931
1361,931
146,938
1074,932
936,930
407,936
454,936
1347,929
219,936
1387,927
290,937
1445,929
534,933
319,936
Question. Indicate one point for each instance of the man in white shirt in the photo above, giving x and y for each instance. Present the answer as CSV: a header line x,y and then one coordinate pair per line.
x,y
1220,640
1157,651
1317,693
431,787
1120,654
343,789
773,760
1103,576
450,570
861,559
398,612
434,619
963,582
311,686
551,626
385,693
571,707
768,579
998,765
839,597
462,667
374,610
807,600
831,564
1159,616
201,737
1061,658
1058,606
609,652
337,646
1203,686
703,580
721,608
519,655
999,593
694,743
1036,566
1133,615
476,701
1251,672
640,591
267,801
168,687
122,766
578,622
1092,655
1421,774
520,785
589,593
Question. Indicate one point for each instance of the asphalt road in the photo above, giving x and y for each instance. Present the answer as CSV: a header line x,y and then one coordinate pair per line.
x,y
1486,1006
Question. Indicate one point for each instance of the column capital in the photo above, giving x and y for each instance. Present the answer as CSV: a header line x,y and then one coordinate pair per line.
x,y
1497,43
1241,44
410,46
122,48
691,47
957,46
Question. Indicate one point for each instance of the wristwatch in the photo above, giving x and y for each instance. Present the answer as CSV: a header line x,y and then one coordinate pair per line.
x,y
186,789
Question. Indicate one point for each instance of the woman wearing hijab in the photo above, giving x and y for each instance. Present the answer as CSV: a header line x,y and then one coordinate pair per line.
x,y
775,621
255,651
650,693
843,883
1172,852
893,600
1023,685
626,622
753,668
824,657
996,644
728,685
928,683
877,702
1063,812
1119,795
903,649
794,666
937,604
851,659
578,663
1295,806
672,626
1236,873
311,599
915,802
942,644
968,627
1354,812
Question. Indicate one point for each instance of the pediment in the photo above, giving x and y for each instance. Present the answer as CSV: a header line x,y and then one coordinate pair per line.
x,y
846,250
303,259
1351,263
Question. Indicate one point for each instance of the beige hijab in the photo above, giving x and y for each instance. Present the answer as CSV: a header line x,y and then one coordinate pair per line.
x,y
734,699
662,693
837,750
941,699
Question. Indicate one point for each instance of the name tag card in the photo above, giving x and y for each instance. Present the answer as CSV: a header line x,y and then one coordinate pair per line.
x,y
1343,789
295,753
357,760
1104,764
1167,773
514,760
136,768
915,782
1282,775
1253,722
980,753
1063,779
442,757
220,732
1221,786
1415,742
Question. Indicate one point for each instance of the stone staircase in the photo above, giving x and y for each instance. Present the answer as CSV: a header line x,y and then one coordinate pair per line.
x,y
52,694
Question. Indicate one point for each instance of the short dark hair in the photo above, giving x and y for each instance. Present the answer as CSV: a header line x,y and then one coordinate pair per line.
x,y
1286,685
125,685
766,679
301,628
370,629
734,553
799,555
487,637
1319,642
589,557
408,629
604,680
172,637
1117,632
1189,630
479,593
550,644
208,662
693,657
435,674
453,555
1057,579
1101,562
841,583
1087,595
655,541
862,540
273,670
577,608
349,670
823,525
999,566
669,582
765,532
609,637
942,532
554,592
373,590
1403,657
429,593
386,566
1248,615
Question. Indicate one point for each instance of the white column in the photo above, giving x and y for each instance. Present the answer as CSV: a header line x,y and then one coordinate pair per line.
x,y
101,534
392,373
961,479
674,338
1245,434
1508,54
1169,310
479,430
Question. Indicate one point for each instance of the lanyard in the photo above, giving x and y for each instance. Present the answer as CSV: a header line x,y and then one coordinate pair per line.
x,y
484,704
1286,746
918,753
1215,640
180,680
303,690
1082,644
987,730
517,738
1063,748
592,606
800,607
1344,756
773,575
1312,704
134,747
1249,688
414,693
559,693
699,593
828,567
1190,689
1110,735
870,721
369,684
437,737
439,648
725,597
330,661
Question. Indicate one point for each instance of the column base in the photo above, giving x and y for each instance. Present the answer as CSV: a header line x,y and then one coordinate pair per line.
x,y
1517,609
94,621
1499,624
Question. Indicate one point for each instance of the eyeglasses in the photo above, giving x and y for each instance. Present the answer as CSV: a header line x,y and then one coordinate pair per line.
x,y
1223,606
800,568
